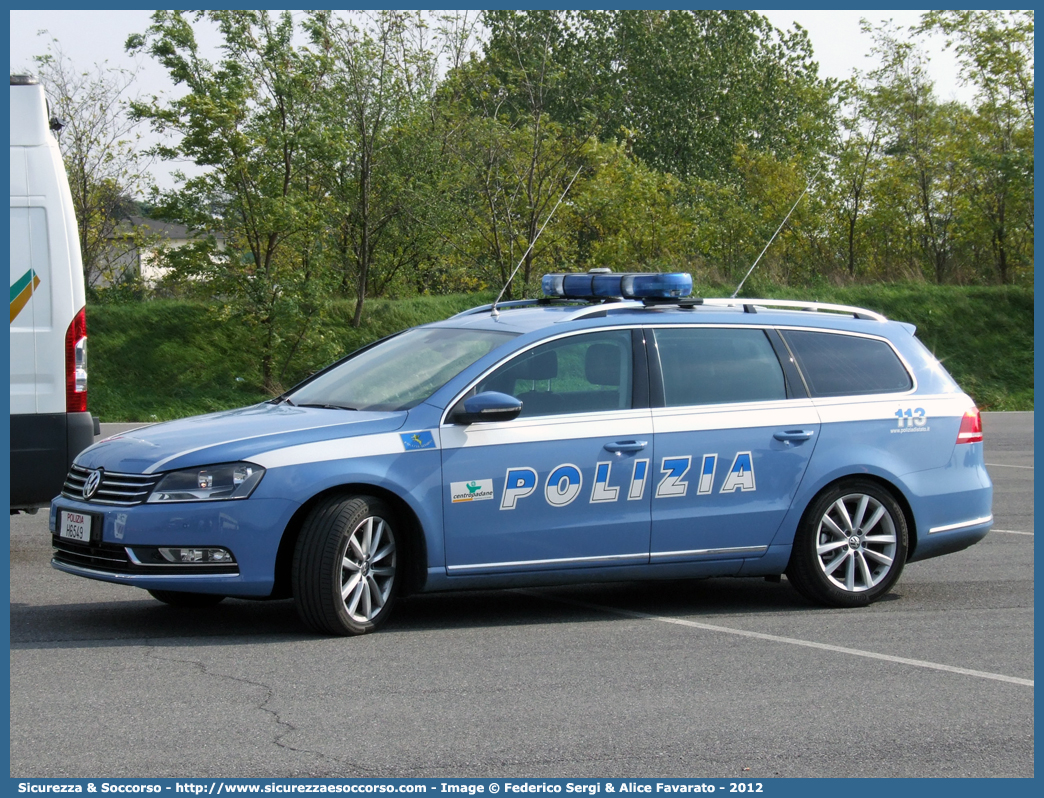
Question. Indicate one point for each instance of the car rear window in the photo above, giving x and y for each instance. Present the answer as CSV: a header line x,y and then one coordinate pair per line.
x,y
716,365
847,365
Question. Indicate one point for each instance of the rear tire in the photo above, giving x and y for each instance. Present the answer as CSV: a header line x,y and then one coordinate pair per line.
x,y
176,598
345,573
851,546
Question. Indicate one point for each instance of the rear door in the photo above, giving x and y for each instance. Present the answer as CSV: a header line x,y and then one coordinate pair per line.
x,y
733,436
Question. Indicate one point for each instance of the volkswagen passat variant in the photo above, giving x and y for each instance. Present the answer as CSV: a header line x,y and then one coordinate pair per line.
x,y
614,429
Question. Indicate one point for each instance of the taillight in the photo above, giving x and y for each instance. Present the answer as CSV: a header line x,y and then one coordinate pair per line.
x,y
76,364
971,427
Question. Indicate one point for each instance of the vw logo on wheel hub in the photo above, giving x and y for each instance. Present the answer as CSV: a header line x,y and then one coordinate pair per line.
x,y
90,487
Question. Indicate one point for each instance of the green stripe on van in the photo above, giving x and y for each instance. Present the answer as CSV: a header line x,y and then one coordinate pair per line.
x,y
22,292
20,286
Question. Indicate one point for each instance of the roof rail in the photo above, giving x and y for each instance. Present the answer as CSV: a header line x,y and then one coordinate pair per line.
x,y
795,304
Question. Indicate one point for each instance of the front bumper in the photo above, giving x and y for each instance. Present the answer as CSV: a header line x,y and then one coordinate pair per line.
x,y
251,529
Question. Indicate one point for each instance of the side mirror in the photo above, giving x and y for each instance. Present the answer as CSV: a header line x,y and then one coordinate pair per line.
x,y
487,406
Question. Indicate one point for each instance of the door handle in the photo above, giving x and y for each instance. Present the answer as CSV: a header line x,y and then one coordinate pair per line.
x,y
795,435
625,446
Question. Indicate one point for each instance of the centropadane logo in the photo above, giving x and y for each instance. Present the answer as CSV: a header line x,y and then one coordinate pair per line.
x,y
476,490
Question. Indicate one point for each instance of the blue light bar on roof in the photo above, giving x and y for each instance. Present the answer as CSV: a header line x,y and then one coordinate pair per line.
x,y
628,286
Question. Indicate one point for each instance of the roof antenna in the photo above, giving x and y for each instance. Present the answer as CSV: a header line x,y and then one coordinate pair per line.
x,y
803,193
494,312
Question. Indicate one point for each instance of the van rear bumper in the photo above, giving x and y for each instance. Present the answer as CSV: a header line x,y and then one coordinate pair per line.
x,y
42,449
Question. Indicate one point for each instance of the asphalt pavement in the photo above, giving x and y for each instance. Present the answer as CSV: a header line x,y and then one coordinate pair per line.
x,y
714,677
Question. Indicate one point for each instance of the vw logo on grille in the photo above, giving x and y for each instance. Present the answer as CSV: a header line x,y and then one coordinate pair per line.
x,y
90,487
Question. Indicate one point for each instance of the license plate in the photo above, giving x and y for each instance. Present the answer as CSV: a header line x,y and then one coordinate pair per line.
x,y
74,526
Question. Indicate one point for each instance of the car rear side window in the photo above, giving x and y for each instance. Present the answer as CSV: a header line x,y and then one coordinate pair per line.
x,y
847,365
715,365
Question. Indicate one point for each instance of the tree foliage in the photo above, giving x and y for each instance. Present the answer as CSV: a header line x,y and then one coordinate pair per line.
x,y
353,155
250,119
692,87
100,148
941,190
379,78
995,50
513,156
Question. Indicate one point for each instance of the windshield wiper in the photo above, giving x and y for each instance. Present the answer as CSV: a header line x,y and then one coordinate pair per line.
x,y
281,400
329,407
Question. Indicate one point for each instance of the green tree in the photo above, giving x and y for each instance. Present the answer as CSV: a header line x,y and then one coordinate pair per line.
x,y
736,221
690,87
858,154
380,76
250,120
100,147
995,51
515,160
923,150
627,216
695,96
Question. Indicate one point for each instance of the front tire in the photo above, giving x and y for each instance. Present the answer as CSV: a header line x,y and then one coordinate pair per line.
x,y
346,567
851,546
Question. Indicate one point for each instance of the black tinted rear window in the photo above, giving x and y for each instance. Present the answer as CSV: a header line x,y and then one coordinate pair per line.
x,y
847,365
715,365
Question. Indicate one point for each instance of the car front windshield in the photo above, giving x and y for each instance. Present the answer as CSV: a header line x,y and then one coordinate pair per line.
x,y
401,372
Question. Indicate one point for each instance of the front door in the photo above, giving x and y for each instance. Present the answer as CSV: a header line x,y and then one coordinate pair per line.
x,y
566,484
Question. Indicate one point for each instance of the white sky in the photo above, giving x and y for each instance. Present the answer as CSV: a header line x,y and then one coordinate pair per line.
x,y
90,37
840,46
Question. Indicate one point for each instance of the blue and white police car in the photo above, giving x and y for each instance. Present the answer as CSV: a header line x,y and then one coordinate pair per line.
x,y
613,430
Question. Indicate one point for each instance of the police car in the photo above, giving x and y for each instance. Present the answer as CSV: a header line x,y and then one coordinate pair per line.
x,y
614,429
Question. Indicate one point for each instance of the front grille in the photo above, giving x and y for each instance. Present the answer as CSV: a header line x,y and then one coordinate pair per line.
x,y
114,559
117,489
96,556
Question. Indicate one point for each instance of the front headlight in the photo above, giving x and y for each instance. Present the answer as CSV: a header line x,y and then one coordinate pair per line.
x,y
207,484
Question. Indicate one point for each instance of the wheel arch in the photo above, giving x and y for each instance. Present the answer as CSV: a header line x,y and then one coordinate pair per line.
x,y
412,539
894,489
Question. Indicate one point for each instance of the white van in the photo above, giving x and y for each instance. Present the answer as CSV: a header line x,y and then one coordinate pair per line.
x,y
50,424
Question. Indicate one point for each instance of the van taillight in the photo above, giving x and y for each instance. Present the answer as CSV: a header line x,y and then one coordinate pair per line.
x,y
971,427
76,364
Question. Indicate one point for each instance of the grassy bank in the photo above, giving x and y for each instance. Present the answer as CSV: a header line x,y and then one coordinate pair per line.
x,y
164,359
167,359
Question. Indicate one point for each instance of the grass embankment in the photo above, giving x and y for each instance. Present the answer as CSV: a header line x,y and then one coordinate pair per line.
x,y
167,359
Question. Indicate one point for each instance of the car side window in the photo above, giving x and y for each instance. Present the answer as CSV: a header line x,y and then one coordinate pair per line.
x,y
584,373
716,365
847,365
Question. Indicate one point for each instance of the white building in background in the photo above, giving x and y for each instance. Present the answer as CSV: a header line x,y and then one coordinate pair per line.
x,y
138,244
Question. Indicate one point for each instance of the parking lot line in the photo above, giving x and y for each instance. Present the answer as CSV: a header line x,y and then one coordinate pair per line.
x,y
709,627
1011,532
1006,465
